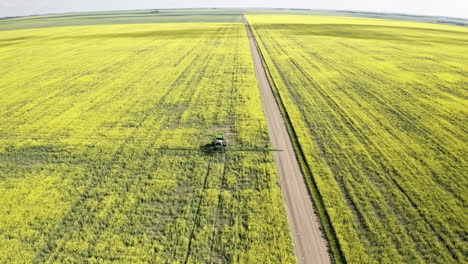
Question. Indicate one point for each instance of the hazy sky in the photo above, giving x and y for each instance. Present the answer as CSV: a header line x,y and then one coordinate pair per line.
x,y
453,8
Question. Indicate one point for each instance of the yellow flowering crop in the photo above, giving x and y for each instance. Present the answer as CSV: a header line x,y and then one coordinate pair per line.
x,y
84,113
379,109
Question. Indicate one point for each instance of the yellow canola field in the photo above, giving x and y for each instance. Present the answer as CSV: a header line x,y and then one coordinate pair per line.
x,y
379,110
87,115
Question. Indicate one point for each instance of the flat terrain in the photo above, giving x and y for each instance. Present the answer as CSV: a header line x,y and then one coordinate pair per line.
x,y
232,15
92,119
101,130
122,17
379,110
309,241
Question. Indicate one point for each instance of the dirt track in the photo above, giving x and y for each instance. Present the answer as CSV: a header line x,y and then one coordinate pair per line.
x,y
310,246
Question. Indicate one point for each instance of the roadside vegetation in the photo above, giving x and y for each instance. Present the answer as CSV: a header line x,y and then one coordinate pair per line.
x,y
88,119
379,112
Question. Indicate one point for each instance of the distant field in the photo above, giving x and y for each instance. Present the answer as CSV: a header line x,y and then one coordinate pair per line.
x,y
233,15
121,17
84,113
380,111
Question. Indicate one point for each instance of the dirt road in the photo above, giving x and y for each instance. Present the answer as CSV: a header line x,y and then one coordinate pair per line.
x,y
309,244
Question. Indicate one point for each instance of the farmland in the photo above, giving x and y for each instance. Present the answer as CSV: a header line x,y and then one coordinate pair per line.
x,y
230,15
103,117
91,119
120,17
378,110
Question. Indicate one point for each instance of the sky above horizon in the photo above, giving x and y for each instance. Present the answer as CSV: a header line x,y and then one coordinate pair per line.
x,y
449,8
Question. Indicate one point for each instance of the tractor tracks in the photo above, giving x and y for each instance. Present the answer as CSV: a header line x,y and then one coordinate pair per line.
x,y
309,242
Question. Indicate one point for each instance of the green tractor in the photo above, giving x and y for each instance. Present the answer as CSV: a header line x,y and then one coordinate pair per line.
x,y
219,144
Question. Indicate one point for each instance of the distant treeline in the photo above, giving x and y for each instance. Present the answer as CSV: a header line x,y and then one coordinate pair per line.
x,y
452,23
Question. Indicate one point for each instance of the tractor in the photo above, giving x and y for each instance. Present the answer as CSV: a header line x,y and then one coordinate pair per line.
x,y
219,144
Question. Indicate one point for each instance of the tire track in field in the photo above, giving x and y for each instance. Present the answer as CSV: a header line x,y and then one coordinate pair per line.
x,y
310,245
222,182
219,210
196,222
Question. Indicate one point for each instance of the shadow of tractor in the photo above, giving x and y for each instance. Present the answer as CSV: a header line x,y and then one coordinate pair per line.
x,y
210,149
